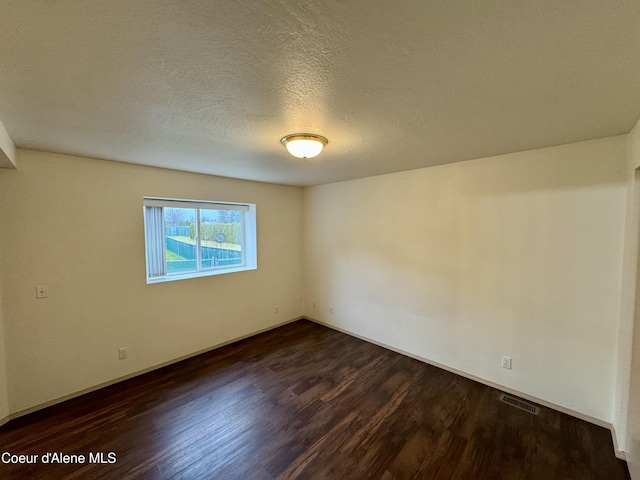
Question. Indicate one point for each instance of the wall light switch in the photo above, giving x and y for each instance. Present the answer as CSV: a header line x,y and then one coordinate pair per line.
x,y
506,362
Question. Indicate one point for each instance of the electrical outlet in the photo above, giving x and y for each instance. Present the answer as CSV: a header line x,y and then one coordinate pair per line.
x,y
42,291
506,362
123,352
313,305
331,310
276,309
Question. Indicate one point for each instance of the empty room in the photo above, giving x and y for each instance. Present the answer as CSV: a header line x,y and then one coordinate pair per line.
x,y
319,239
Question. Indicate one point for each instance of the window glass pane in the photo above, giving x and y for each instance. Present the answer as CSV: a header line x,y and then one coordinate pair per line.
x,y
180,240
220,238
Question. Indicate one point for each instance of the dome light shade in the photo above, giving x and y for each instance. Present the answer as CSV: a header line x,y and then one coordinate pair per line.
x,y
304,145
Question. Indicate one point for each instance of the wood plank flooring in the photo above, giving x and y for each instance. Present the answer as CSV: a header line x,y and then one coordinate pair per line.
x,y
304,401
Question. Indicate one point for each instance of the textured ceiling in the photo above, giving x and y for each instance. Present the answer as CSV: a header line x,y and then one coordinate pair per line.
x,y
211,87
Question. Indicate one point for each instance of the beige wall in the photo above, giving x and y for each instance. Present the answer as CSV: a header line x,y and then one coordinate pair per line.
x,y
630,336
516,255
4,392
76,224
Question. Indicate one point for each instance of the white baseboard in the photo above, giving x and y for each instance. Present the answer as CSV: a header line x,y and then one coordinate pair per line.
x,y
622,455
574,413
55,401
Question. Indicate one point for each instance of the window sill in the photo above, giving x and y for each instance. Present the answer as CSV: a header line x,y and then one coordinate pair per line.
x,y
208,273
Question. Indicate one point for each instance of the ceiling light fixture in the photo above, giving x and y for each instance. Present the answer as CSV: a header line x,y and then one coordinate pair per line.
x,y
304,145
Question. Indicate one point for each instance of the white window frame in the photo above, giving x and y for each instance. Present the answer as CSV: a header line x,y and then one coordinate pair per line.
x,y
155,247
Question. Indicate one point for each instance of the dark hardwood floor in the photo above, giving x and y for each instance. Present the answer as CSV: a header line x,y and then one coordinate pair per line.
x,y
304,401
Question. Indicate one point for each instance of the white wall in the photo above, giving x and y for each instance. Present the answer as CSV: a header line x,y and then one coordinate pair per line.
x,y
515,255
7,149
4,393
76,224
630,376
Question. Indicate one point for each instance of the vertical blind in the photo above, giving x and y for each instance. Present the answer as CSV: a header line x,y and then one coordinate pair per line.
x,y
154,237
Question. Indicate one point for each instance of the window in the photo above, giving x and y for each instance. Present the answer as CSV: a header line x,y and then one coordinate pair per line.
x,y
193,238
